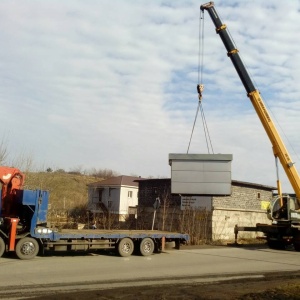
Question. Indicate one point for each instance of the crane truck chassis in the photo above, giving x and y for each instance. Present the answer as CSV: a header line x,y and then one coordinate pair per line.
x,y
23,227
284,211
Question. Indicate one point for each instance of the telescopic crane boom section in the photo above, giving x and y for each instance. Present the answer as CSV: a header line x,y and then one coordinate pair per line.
x,y
279,148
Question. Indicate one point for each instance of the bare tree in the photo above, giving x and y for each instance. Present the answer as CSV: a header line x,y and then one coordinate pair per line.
x,y
3,151
23,161
166,197
196,222
101,173
76,170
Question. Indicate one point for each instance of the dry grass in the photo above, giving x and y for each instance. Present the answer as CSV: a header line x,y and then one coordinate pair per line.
x,y
66,190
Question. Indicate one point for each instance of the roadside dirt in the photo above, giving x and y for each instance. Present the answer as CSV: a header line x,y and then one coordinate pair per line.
x,y
273,286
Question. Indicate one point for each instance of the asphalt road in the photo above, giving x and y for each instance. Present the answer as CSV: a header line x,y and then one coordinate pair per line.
x,y
56,273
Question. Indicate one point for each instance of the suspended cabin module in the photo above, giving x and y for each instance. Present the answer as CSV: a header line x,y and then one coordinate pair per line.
x,y
200,174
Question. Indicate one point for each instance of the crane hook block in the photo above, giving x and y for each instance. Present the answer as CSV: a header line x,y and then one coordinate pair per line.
x,y
200,88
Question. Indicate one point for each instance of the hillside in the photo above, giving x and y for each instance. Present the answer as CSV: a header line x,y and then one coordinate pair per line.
x,y
66,190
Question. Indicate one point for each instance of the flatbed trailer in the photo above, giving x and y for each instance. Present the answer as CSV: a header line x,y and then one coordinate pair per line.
x,y
124,241
28,234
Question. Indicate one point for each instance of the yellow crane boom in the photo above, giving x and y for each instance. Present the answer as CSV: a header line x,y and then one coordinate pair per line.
x,y
279,148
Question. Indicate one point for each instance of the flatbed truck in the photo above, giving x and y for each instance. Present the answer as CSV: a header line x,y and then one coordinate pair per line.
x,y
24,230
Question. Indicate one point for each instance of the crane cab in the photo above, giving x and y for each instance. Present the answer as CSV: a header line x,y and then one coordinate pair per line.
x,y
288,212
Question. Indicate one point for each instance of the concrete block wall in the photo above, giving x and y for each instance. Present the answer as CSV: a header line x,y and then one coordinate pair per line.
x,y
242,208
224,221
249,198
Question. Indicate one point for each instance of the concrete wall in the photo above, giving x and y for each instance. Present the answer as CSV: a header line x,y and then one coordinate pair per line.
x,y
224,220
108,194
243,197
242,208
126,200
93,199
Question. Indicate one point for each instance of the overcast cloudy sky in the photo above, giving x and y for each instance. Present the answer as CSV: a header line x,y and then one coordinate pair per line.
x,y
112,84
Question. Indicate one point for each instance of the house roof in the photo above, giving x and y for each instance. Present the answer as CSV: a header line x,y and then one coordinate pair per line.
x,y
117,181
262,186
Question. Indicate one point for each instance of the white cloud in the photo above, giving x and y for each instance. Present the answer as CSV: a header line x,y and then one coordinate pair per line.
x,y
112,84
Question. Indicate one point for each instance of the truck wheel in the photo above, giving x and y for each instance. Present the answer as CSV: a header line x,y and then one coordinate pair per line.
x,y
297,246
125,247
27,248
2,247
278,245
146,246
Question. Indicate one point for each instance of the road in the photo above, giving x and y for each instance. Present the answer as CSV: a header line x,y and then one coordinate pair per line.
x,y
57,273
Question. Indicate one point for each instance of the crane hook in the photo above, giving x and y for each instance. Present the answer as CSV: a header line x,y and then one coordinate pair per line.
x,y
200,88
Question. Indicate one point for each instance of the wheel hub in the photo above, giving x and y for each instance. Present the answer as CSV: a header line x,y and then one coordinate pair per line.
x,y
126,248
27,248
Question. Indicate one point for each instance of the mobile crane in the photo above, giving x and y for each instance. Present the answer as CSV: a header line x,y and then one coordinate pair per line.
x,y
284,211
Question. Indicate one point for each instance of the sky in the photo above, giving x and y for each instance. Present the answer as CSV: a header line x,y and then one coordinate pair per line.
x,y
112,84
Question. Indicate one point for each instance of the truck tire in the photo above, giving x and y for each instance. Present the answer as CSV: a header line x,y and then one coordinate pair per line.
x,y
27,248
2,247
147,246
275,244
125,247
297,246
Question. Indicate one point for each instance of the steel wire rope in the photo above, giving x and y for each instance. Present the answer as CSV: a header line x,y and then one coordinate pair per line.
x,y
206,130
200,80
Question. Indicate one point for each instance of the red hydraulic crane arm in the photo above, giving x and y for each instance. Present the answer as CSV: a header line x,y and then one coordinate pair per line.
x,y
279,148
12,179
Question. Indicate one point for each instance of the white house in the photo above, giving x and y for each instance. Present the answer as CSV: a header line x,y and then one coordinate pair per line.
x,y
115,195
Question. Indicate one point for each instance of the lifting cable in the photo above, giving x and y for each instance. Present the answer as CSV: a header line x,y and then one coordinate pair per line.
x,y
200,87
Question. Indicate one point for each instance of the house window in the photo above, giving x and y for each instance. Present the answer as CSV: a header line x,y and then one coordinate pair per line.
x,y
109,204
97,195
258,195
129,194
100,194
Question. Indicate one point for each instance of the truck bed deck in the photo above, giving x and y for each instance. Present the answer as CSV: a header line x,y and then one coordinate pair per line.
x,y
106,234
